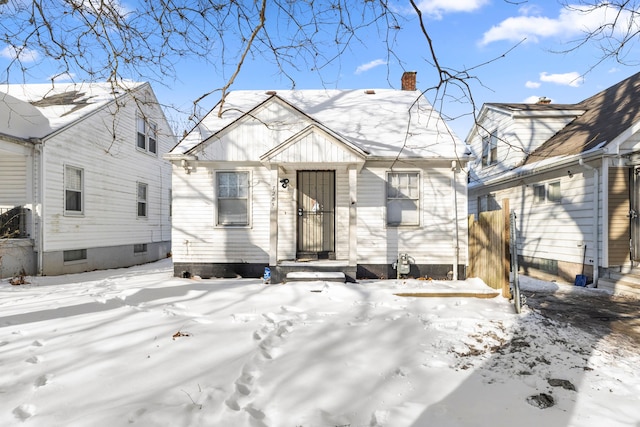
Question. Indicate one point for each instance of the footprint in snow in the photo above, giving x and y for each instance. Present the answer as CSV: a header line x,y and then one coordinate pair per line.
x,y
291,309
34,360
24,411
43,380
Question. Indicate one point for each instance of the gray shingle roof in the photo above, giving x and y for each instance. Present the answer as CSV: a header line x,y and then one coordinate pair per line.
x,y
607,114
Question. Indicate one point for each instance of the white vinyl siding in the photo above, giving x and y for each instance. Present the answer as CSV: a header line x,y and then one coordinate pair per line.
x,y
13,180
515,137
255,140
432,241
111,170
554,230
198,239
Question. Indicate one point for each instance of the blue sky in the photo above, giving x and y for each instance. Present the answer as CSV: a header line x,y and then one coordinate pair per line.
x,y
515,41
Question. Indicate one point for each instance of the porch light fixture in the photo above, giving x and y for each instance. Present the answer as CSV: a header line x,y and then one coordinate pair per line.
x,y
187,167
284,182
570,174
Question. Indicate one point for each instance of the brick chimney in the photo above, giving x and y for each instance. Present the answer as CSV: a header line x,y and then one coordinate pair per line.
x,y
409,80
543,100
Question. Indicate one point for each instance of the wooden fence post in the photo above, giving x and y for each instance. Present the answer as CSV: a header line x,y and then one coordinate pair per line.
x,y
506,260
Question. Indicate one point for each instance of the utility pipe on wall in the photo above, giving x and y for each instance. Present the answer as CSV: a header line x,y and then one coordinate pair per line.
x,y
456,242
596,208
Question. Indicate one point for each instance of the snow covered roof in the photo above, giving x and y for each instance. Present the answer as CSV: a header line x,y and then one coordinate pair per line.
x,y
380,122
37,110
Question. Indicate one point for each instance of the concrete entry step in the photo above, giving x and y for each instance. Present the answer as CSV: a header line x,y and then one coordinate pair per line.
x,y
314,276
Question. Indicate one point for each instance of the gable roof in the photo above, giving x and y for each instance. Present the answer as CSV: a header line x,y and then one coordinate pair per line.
x,y
382,123
322,140
606,115
37,110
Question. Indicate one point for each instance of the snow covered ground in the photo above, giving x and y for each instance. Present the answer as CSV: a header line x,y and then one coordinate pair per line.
x,y
138,346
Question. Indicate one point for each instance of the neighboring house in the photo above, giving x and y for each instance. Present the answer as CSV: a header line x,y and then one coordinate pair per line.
x,y
83,185
570,171
338,180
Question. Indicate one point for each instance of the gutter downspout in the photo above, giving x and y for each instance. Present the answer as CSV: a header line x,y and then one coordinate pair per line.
x,y
39,149
456,240
596,209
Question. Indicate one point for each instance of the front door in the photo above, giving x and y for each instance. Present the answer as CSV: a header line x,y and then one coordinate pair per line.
x,y
316,215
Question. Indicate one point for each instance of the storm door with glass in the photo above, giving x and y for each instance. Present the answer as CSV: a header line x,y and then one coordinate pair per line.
x,y
316,215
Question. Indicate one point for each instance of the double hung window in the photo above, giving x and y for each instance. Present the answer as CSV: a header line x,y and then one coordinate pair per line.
x,y
233,198
142,199
490,149
73,190
403,198
146,135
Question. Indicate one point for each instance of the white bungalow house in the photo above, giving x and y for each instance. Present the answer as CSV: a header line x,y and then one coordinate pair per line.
x,y
570,171
320,180
83,184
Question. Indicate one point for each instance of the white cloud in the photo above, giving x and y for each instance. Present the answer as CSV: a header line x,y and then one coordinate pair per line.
x,y
532,99
572,79
437,8
572,20
64,77
105,7
532,85
22,54
369,65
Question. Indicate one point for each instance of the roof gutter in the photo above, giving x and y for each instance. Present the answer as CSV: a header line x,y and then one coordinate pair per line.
x,y
521,172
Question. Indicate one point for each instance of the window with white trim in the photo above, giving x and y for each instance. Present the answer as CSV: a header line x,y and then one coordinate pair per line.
x,y
553,192
73,190
547,193
403,198
490,149
142,193
233,198
146,135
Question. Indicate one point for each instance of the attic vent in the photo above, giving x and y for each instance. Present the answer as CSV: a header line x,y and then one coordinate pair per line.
x,y
271,92
370,92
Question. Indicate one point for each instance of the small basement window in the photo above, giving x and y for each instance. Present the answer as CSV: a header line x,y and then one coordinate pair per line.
x,y
75,255
140,248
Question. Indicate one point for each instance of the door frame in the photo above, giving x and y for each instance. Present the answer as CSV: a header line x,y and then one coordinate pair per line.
x,y
315,219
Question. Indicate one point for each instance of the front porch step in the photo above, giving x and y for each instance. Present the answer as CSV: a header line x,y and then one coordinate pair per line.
x,y
331,270
314,276
627,283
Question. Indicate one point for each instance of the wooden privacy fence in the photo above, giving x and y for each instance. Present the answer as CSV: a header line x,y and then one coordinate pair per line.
x,y
489,248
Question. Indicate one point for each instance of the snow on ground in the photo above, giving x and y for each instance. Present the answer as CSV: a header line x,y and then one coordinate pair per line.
x,y
138,346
